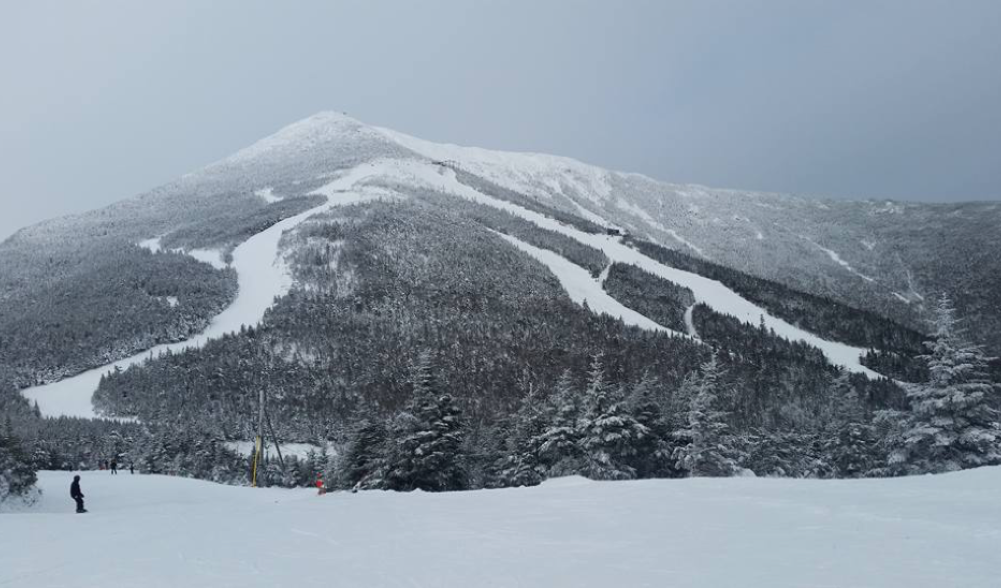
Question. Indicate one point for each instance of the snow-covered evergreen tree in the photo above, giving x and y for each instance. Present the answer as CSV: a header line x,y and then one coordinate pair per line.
x,y
17,477
362,465
427,453
609,435
647,402
851,443
523,466
710,447
953,419
559,442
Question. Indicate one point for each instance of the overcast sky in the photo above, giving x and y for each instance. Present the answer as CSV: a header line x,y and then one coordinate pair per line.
x,y
864,99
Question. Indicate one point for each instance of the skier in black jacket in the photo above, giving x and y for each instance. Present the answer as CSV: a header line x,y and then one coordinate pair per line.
x,y
76,494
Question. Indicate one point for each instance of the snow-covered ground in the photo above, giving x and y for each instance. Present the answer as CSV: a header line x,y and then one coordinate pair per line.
x,y
262,276
154,531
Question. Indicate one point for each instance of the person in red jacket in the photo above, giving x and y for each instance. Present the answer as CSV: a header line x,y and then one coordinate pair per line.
x,y
319,486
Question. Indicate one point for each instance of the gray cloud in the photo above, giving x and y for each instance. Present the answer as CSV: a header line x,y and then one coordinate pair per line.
x,y
846,99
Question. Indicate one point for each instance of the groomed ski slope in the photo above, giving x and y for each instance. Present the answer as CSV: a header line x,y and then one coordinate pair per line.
x,y
710,292
155,531
262,276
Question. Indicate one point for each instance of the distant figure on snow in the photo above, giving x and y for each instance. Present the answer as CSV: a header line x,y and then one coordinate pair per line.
x,y
114,467
132,468
77,495
319,486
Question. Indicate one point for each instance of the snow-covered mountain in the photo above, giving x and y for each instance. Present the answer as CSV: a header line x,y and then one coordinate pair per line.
x,y
882,255
320,261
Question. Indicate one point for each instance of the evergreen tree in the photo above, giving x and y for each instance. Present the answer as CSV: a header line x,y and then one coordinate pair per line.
x,y
17,476
953,419
646,402
523,465
710,447
609,436
427,454
851,444
559,442
362,465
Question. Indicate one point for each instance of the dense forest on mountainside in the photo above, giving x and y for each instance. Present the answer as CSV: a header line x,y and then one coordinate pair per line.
x,y
225,230
408,276
73,304
383,282
655,298
82,319
825,317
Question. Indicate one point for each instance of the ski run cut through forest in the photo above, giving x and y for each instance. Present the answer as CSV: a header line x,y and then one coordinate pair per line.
x,y
158,531
262,277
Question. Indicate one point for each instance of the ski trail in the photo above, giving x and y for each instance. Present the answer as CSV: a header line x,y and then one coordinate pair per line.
x,y
261,276
710,292
838,260
582,288
604,274
690,323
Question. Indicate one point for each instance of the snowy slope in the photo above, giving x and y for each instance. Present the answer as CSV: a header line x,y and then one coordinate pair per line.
x,y
154,531
710,292
262,276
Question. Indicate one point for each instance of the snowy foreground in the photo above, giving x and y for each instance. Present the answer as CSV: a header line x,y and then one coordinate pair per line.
x,y
741,532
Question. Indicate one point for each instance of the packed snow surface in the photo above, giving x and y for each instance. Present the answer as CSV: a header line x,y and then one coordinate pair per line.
x,y
262,276
155,531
